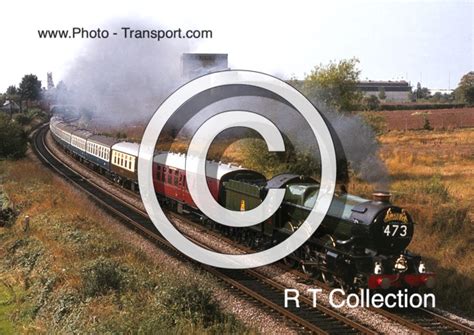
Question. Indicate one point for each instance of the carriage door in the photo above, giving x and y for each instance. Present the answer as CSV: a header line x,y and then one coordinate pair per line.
x,y
181,184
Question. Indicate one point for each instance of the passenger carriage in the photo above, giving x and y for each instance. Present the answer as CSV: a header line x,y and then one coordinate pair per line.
x,y
78,142
124,163
98,151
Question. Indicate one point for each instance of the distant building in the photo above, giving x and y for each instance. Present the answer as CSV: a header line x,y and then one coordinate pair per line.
x,y
197,64
396,91
10,107
443,91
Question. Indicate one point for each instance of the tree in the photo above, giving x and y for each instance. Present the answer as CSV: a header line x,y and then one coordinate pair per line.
x,y
335,85
469,95
13,140
465,90
382,94
12,90
12,96
30,89
422,92
426,122
372,102
436,97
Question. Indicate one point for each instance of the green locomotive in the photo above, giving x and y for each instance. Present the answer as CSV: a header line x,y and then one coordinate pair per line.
x,y
360,243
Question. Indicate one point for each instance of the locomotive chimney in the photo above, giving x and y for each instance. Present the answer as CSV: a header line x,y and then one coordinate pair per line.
x,y
381,196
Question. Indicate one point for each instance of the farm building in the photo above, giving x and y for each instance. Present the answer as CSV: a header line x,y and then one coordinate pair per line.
x,y
394,90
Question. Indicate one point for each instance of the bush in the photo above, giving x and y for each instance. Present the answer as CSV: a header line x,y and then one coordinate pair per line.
x,y
450,219
419,106
7,213
372,103
22,119
426,123
436,189
13,140
101,277
190,302
376,121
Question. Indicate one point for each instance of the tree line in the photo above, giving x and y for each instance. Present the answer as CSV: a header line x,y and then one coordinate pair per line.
x,y
336,86
15,116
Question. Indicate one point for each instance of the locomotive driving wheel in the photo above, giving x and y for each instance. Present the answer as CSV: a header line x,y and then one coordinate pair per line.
x,y
309,269
292,259
326,276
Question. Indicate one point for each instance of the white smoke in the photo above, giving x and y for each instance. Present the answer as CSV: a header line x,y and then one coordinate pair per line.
x,y
122,80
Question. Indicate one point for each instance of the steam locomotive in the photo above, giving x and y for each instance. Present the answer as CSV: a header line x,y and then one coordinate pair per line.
x,y
360,244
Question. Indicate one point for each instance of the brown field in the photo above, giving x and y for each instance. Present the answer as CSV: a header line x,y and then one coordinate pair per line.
x,y
438,118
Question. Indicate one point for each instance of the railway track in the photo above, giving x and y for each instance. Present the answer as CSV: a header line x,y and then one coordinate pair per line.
x,y
319,319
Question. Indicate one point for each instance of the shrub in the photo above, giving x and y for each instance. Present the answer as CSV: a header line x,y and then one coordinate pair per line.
x,y
426,123
101,277
13,140
376,121
436,189
450,219
372,103
22,119
193,303
392,107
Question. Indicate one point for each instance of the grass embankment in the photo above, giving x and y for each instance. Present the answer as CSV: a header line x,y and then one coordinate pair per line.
x,y
432,174
70,273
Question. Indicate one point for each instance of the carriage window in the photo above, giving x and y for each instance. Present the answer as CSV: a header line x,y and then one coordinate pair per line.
x,y
176,180
170,177
158,172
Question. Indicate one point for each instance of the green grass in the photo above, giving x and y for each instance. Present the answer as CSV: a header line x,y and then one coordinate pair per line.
x,y
77,276
7,306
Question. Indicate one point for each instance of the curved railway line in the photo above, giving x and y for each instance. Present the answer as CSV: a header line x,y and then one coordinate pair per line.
x,y
250,283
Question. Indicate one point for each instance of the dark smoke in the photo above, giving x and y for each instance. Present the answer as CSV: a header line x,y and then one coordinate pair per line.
x,y
358,140
360,146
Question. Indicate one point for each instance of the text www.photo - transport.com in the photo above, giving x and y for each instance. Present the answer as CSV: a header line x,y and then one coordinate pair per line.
x,y
125,33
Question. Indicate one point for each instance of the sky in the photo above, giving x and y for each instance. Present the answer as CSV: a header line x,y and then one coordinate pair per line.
x,y
420,41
